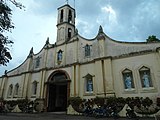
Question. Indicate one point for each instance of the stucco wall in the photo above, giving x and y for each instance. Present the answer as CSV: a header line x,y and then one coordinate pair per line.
x,y
13,80
34,77
134,64
84,70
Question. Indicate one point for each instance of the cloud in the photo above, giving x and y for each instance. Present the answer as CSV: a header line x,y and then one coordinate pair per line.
x,y
46,8
86,29
123,20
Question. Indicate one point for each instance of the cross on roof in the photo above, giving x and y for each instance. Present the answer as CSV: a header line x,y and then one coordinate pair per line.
x,y
67,1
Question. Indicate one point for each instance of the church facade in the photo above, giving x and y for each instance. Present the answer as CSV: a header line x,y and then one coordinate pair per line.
x,y
76,66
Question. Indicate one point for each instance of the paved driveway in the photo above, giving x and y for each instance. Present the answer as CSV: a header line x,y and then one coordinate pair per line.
x,y
53,116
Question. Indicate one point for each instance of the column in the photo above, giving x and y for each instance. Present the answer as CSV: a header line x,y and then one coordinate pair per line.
x,y
99,78
72,85
108,76
42,84
26,84
77,81
3,87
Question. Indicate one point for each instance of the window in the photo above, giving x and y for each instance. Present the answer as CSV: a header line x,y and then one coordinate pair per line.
x,y
37,64
10,90
69,33
128,79
61,18
145,77
70,16
88,84
59,56
34,88
87,50
16,89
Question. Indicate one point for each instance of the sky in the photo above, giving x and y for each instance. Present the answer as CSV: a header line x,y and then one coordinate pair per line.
x,y
122,20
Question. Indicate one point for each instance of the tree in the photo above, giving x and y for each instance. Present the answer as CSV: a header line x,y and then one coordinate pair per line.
x,y
152,38
5,26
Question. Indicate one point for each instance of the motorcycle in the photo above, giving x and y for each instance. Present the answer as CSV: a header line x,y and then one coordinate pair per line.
x,y
88,111
131,114
101,112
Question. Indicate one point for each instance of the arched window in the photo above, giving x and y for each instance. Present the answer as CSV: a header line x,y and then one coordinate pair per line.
x,y
70,16
34,88
37,62
87,50
128,79
61,16
145,77
10,90
69,33
16,89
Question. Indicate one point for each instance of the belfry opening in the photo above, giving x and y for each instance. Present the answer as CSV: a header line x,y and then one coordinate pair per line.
x,y
57,91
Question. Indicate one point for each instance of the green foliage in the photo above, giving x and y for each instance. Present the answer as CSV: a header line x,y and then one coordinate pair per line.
x,y
12,103
5,26
142,105
75,100
147,102
152,38
99,101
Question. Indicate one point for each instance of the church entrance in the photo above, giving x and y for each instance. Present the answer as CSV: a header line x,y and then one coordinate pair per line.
x,y
58,91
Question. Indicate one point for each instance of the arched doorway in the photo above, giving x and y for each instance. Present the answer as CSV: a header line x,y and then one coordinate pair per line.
x,y
57,91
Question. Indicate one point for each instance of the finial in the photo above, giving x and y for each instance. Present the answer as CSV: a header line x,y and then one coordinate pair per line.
x,y
47,41
101,35
5,72
31,52
76,31
100,29
67,1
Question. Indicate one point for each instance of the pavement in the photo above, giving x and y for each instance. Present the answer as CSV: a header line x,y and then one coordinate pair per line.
x,y
56,116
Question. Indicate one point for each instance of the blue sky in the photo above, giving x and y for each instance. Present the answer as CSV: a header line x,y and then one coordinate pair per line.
x,y
122,20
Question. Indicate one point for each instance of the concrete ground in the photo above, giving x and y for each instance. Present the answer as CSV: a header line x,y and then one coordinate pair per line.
x,y
54,116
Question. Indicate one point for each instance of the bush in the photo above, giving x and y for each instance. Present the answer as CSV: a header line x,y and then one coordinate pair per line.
x,y
74,100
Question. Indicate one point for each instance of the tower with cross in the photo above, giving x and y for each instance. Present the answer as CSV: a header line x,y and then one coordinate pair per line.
x,y
65,23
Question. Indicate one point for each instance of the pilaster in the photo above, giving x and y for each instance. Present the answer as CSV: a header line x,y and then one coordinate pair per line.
x,y
99,78
42,83
108,76
3,86
25,85
77,80
72,85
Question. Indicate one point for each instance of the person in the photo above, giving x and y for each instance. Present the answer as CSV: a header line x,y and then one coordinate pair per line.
x,y
128,82
145,80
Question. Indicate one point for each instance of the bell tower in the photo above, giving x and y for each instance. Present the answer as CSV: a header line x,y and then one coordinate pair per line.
x,y
65,23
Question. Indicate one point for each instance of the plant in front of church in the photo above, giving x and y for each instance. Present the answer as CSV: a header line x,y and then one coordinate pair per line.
x,y
142,105
99,101
116,103
75,100
22,103
76,103
39,105
11,104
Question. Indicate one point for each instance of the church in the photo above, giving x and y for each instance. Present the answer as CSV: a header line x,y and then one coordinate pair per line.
x,y
87,68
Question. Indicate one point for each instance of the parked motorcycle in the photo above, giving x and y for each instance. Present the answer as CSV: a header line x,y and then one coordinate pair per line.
x,y
101,112
131,114
88,111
